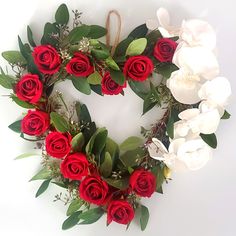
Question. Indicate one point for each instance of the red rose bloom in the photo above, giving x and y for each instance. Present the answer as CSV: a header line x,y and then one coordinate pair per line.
x,y
79,65
94,190
138,68
110,87
164,50
58,145
120,211
35,123
143,183
29,88
75,166
47,59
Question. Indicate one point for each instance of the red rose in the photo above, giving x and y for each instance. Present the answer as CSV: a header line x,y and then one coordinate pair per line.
x,y
47,59
143,183
94,190
29,88
75,166
109,86
138,68
164,50
35,123
58,144
120,211
79,65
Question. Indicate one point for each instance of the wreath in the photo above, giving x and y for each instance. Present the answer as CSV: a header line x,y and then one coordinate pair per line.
x,y
79,156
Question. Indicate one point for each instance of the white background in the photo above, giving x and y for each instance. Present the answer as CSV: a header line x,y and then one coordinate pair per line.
x,y
201,203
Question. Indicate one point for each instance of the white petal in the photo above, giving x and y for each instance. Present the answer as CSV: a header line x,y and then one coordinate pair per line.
x,y
189,114
157,149
163,17
198,60
217,90
208,105
165,33
175,144
198,33
184,87
152,24
181,129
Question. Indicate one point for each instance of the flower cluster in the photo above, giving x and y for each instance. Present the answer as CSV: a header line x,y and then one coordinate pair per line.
x,y
81,157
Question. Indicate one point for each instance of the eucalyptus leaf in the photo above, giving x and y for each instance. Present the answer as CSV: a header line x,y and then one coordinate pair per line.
x,y
170,127
71,221
6,81
122,47
158,171
22,103
166,69
118,183
81,84
26,155
226,115
59,122
139,88
74,206
113,148
117,76
14,57
144,217
106,166
139,32
111,63
132,158
96,31
78,33
62,15
94,78
49,30
100,54
15,126
84,114
92,215
131,143
77,142
44,173
43,187
210,139
30,37
136,47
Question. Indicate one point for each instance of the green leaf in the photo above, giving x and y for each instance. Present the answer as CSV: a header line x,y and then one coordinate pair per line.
x,y
43,187
139,88
62,15
131,143
170,127
59,122
45,173
113,148
71,221
139,32
14,57
49,30
83,113
166,69
122,47
132,158
74,206
81,84
15,126
60,184
77,142
100,54
96,31
118,183
117,76
78,33
226,115
152,38
136,47
30,37
6,81
112,64
22,103
144,217
94,78
106,166
26,155
91,216
160,177
210,139
97,89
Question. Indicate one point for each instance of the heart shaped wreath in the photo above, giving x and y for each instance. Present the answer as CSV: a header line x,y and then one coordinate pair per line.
x,y
80,157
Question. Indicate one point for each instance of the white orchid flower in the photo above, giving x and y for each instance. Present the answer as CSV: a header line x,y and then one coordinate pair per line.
x,y
197,32
162,23
184,86
216,91
182,154
198,60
